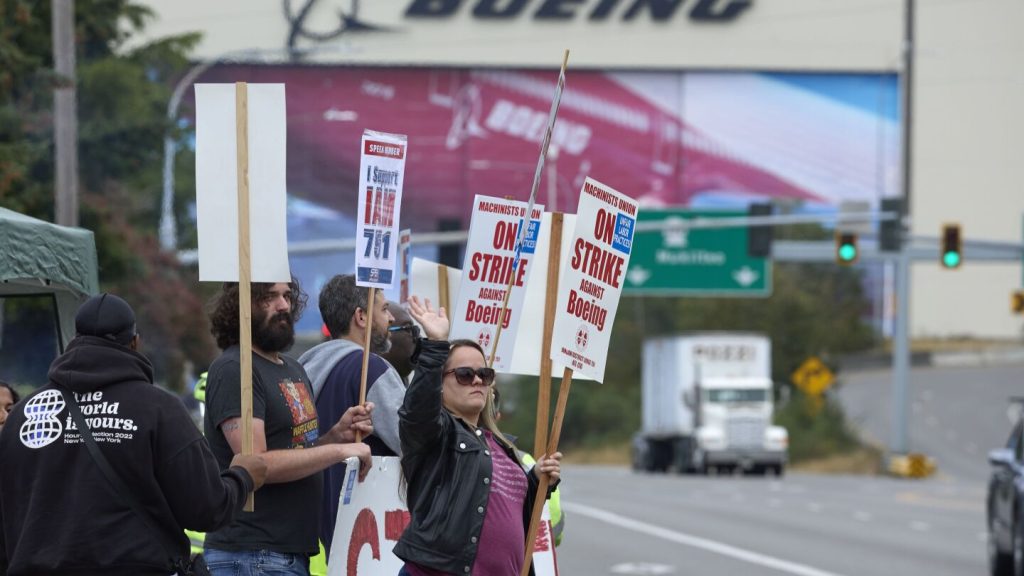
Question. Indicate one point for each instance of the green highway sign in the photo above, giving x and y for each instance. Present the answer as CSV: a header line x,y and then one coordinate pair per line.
x,y
695,262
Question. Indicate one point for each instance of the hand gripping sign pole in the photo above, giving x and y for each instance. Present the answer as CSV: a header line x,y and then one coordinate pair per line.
x,y
529,207
382,172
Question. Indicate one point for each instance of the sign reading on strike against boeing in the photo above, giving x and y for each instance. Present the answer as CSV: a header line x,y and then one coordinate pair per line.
x,y
381,173
487,270
591,280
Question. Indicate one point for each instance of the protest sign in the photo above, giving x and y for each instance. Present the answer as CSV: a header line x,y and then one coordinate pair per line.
x,y
381,174
590,286
489,281
404,244
372,516
217,182
426,282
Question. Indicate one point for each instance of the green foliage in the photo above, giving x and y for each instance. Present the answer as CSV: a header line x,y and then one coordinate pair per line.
x,y
817,428
122,96
813,310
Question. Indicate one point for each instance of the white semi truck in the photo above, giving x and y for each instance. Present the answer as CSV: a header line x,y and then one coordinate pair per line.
x,y
707,404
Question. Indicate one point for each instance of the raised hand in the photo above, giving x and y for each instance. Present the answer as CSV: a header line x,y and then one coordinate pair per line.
x,y
434,322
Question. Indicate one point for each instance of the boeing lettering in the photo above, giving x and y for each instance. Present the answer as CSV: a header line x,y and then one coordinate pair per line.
x,y
601,10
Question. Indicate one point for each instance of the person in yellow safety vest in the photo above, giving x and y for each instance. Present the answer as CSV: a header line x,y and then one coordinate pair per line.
x,y
555,501
317,564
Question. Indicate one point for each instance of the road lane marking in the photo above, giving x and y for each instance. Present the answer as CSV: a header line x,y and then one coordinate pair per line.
x,y
695,541
642,568
946,503
920,526
862,516
814,507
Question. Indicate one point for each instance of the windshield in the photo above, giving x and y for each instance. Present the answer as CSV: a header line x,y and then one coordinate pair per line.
x,y
734,396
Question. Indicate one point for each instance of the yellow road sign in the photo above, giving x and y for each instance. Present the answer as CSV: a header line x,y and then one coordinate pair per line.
x,y
813,377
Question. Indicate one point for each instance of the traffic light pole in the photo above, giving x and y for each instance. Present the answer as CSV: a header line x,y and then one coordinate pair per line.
x,y
901,355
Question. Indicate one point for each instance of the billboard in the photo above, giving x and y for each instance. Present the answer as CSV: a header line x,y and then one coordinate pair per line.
x,y
706,140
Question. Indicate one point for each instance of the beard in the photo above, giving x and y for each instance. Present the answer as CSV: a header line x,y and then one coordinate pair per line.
x,y
380,342
273,334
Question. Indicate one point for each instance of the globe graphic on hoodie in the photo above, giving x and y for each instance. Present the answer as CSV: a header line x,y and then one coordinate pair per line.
x,y
42,426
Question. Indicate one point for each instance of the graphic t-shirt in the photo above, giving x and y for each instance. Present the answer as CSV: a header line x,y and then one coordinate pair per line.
x,y
286,515
503,538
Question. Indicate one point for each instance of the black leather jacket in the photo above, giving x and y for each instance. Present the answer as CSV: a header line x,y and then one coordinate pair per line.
x,y
448,469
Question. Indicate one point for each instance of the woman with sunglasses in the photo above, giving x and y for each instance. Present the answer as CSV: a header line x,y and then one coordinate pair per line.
x,y
469,496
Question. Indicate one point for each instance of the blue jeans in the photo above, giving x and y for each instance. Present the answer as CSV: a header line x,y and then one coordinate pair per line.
x,y
255,563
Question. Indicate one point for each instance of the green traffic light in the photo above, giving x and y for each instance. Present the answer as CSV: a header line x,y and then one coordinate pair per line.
x,y
847,252
951,259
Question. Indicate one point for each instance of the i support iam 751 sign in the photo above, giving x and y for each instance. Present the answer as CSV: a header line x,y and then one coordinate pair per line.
x,y
592,279
381,173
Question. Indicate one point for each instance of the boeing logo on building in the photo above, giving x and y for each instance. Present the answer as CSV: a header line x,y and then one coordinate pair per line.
x,y
348,21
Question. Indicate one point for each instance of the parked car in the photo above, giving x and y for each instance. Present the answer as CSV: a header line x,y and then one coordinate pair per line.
x,y
1005,502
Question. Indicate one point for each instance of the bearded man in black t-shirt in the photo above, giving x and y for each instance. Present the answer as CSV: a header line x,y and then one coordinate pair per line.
x,y
281,534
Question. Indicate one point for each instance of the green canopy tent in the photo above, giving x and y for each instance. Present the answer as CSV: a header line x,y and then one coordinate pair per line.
x,y
38,258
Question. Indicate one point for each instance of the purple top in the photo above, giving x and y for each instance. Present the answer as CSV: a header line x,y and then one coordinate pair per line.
x,y
503,536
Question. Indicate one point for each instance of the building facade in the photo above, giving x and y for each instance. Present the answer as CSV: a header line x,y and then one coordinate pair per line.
x,y
704,103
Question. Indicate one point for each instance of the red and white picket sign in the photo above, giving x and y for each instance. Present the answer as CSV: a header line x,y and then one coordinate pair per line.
x,y
372,516
483,303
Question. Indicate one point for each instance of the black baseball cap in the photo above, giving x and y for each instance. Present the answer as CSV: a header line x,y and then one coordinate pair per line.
x,y
106,316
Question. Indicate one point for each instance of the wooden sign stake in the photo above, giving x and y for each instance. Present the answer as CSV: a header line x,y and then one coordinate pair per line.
x,y
366,352
244,269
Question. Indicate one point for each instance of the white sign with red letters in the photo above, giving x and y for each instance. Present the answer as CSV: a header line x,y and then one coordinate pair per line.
x,y
591,279
488,273
381,174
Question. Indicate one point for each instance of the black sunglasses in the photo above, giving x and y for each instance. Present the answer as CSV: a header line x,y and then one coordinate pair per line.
x,y
412,329
464,375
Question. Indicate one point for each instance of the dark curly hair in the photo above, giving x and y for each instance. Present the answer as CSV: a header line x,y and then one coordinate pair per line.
x,y
223,309
14,393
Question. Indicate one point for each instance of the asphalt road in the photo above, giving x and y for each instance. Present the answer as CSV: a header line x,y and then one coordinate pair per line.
x,y
956,415
621,522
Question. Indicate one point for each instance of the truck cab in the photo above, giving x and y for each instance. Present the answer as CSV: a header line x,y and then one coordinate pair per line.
x,y
734,427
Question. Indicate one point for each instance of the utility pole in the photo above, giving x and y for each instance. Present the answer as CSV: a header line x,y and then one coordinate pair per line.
x,y
898,442
65,114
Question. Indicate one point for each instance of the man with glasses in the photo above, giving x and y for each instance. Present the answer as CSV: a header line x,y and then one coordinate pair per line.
x,y
404,335
335,369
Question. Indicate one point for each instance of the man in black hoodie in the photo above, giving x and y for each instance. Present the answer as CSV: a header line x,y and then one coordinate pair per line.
x,y
58,513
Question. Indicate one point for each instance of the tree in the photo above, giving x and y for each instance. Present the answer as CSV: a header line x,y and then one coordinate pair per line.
x,y
122,101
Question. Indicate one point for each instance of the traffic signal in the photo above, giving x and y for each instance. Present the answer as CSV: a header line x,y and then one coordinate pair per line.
x,y
1017,302
846,248
759,238
951,255
891,231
